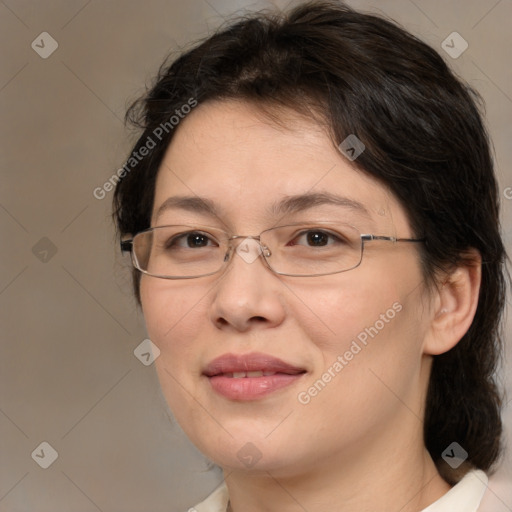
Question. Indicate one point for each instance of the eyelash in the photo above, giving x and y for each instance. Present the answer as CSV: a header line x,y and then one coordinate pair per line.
x,y
184,236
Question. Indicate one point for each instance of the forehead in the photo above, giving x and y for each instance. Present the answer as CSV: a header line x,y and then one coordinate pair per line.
x,y
246,167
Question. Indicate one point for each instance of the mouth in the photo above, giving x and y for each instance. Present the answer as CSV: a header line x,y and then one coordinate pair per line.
x,y
251,376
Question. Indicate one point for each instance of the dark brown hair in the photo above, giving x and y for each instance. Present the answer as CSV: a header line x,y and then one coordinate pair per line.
x,y
425,140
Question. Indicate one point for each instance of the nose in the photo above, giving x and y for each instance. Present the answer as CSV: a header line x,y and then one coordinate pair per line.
x,y
247,295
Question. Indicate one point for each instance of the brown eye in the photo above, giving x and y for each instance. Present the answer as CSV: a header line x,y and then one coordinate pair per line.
x,y
316,238
189,240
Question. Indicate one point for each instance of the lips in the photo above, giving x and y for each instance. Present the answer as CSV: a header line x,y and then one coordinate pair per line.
x,y
251,376
249,365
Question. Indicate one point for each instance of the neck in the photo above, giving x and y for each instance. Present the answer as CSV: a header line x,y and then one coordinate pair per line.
x,y
379,476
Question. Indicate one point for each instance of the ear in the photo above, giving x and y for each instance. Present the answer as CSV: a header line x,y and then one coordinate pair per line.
x,y
454,305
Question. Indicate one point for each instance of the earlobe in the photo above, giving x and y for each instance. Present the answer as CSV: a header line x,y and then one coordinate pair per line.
x,y
455,305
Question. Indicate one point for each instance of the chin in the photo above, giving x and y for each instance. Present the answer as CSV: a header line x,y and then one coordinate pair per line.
x,y
251,453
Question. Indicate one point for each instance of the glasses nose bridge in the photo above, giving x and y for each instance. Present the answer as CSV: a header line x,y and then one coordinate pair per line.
x,y
253,237
264,249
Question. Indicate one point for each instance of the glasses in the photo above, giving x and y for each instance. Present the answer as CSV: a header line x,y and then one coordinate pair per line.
x,y
300,250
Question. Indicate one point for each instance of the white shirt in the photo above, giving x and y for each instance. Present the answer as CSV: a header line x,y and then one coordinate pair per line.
x,y
463,497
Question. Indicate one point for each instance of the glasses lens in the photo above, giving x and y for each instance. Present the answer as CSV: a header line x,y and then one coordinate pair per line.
x,y
313,249
179,251
301,249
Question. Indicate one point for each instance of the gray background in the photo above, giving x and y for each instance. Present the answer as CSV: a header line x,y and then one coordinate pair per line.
x,y
69,324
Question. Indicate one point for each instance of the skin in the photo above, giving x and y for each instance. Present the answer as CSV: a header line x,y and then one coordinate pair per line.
x,y
359,442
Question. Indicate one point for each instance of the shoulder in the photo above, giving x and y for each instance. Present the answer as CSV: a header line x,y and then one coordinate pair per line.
x,y
217,501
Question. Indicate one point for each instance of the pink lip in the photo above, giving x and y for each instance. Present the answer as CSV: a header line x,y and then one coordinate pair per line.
x,y
250,388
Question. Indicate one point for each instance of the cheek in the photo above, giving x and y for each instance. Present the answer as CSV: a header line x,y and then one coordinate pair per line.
x,y
345,309
173,315
372,357
372,319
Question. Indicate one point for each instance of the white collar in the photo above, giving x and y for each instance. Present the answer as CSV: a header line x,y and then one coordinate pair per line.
x,y
463,497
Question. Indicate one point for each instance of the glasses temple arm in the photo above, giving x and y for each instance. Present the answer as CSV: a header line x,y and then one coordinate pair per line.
x,y
368,238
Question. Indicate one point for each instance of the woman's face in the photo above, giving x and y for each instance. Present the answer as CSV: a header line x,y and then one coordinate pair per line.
x,y
356,336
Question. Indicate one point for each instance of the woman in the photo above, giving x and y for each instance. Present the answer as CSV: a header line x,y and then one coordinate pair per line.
x,y
312,214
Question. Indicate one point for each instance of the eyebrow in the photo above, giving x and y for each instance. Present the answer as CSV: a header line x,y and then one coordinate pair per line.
x,y
301,202
290,204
